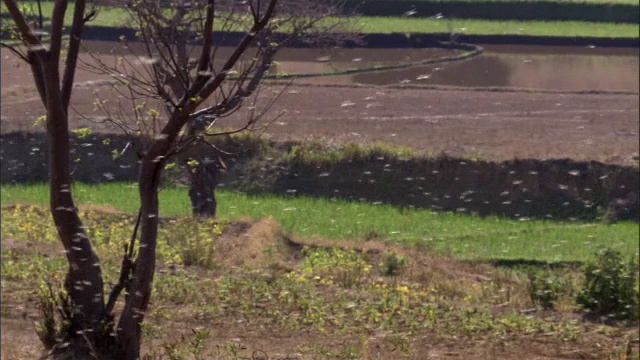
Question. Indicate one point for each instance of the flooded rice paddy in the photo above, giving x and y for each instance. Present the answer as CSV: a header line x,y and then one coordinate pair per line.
x,y
530,67
562,68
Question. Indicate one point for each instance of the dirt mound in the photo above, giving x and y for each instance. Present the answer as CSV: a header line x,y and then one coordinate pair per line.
x,y
255,245
262,244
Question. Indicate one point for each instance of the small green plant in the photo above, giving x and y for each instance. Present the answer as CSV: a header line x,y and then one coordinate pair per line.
x,y
57,314
321,350
349,352
229,350
316,153
393,264
344,267
187,349
82,132
195,240
50,329
567,330
610,286
544,289
400,343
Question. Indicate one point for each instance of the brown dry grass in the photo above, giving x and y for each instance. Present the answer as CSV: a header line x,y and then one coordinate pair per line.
x,y
255,245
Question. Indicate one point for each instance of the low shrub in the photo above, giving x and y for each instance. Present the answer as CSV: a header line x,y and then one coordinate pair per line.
x,y
545,289
393,264
611,286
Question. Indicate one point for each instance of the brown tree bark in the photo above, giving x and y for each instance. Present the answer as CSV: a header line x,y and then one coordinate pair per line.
x,y
129,329
139,289
83,282
84,279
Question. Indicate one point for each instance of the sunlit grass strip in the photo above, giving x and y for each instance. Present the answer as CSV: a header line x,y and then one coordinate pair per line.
x,y
488,27
461,235
114,17
107,15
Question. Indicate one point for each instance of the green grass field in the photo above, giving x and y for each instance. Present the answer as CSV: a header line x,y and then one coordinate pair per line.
x,y
117,17
487,27
107,16
463,236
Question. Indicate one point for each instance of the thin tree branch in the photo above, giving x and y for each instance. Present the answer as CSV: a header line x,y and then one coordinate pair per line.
x,y
25,31
57,28
126,269
210,87
19,54
205,55
72,54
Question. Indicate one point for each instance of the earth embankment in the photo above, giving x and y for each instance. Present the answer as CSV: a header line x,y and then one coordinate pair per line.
x,y
554,189
399,40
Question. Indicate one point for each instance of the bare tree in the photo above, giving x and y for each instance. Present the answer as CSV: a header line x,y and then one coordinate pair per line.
x,y
180,49
177,71
43,52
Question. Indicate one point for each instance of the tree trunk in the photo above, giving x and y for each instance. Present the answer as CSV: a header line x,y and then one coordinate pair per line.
x,y
139,290
204,178
83,282
84,279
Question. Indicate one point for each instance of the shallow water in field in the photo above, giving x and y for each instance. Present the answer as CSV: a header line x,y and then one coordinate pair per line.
x,y
547,68
514,66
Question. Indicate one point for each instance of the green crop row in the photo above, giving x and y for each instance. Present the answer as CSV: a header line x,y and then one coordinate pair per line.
x,y
540,21
467,237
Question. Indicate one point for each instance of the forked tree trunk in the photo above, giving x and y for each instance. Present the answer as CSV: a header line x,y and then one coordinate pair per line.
x,y
83,282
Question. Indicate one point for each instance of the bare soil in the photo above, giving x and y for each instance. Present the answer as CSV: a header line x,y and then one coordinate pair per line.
x,y
491,124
